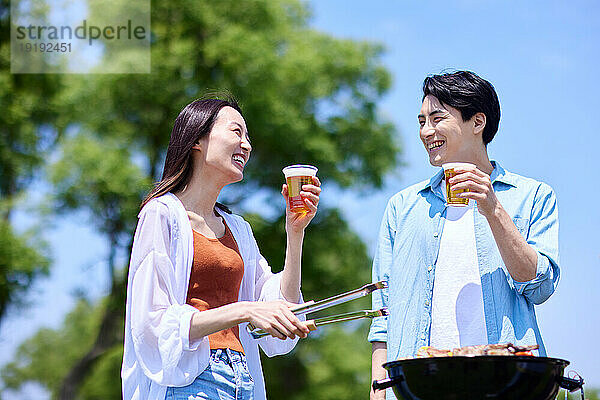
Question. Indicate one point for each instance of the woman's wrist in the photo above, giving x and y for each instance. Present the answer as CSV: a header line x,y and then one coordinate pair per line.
x,y
243,310
295,237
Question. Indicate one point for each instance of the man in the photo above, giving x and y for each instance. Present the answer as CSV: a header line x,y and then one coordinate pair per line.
x,y
470,275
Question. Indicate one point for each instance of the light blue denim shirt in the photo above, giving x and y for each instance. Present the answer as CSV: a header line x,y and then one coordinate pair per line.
x,y
406,256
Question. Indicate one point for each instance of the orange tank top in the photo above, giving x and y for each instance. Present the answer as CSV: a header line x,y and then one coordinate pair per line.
x,y
217,272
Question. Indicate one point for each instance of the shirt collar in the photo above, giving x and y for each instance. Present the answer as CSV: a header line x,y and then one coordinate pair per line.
x,y
499,174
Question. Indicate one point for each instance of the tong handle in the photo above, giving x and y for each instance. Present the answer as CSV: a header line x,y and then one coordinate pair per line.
x,y
365,290
302,306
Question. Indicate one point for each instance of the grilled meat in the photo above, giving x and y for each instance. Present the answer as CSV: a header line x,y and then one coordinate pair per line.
x,y
503,349
428,351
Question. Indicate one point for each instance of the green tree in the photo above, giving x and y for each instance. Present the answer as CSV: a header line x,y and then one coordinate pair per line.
x,y
29,126
100,178
307,97
20,264
69,342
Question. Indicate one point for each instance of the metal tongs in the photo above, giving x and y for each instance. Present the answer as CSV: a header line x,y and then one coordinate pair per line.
x,y
312,306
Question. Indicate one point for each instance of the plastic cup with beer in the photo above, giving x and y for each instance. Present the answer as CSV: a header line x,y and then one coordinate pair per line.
x,y
451,195
296,176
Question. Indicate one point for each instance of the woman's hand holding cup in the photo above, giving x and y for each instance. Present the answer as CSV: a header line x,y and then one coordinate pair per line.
x,y
301,192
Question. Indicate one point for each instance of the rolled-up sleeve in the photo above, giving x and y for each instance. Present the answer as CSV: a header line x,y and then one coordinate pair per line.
x,y
160,324
543,237
381,266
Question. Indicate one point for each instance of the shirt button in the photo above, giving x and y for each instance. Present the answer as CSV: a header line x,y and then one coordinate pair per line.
x,y
427,302
429,268
435,234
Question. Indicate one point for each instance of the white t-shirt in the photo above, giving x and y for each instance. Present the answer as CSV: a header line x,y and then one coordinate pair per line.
x,y
457,317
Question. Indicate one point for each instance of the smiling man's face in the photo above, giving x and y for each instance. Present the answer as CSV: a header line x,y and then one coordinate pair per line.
x,y
447,138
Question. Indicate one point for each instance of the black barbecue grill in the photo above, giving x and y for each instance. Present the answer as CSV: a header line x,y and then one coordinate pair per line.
x,y
478,377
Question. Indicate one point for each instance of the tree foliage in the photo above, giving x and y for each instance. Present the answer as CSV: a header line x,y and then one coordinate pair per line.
x,y
307,97
29,126
324,271
30,117
20,263
48,355
333,364
99,177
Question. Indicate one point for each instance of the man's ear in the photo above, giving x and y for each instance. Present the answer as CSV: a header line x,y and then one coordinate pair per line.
x,y
478,123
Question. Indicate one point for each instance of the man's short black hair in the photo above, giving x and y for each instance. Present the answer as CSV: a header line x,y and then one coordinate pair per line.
x,y
469,94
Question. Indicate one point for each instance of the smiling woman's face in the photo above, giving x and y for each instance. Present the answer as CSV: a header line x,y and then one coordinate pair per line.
x,y
447,138
227,147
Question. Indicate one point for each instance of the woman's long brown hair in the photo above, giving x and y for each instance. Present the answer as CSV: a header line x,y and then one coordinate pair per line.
x,y
193,123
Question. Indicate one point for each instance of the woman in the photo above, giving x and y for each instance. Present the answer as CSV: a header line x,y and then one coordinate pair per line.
x,y
196,272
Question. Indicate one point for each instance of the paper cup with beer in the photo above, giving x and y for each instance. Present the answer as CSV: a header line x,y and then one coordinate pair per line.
x,y
451,195
296,176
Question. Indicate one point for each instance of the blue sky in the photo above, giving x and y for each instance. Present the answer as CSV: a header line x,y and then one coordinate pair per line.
x,y
540,56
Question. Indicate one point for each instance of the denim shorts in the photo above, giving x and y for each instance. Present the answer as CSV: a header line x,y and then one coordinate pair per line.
x,y
225,378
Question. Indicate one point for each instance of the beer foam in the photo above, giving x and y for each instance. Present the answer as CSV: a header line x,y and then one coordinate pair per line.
x,y
457,164
300,170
